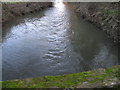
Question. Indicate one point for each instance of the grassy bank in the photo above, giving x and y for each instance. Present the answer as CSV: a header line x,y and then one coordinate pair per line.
x,y
91,79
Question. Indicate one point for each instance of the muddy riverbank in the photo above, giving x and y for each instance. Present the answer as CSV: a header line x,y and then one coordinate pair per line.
x,y
13,10
104,15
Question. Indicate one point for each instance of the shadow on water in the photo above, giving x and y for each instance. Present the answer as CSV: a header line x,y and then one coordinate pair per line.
x,y
92,44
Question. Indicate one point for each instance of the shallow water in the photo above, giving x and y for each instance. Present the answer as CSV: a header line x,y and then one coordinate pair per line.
x,y
54,42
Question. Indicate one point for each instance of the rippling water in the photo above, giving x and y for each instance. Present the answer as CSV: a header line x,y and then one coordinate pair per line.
x,y
54,42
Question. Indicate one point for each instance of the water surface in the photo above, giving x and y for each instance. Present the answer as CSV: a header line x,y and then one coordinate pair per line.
x,y
54,42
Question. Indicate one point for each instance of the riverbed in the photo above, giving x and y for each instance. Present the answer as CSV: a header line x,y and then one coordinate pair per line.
x,y
54,42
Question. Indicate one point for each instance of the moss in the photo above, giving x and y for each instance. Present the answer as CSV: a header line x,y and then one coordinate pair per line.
x,y
108,9
111,12
63,81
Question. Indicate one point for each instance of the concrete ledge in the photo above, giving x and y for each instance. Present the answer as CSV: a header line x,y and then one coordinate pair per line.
x,y
100,78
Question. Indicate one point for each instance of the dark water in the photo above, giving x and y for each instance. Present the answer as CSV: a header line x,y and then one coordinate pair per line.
x,y
54,42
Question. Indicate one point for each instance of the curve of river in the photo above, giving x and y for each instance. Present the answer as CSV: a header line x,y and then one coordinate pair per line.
x,y
54,42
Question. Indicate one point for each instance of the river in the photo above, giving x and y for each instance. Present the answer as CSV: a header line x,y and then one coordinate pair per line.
x,y
54,42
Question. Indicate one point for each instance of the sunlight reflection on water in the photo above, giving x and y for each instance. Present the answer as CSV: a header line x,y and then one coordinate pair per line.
x,y
54,42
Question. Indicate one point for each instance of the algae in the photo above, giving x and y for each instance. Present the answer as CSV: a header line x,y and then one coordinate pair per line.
x,y
89,78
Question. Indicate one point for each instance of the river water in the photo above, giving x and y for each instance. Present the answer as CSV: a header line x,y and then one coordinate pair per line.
x,y
54,42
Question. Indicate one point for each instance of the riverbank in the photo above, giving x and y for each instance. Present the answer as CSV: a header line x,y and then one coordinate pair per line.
x,y
104,15
37,64
100,78
12,10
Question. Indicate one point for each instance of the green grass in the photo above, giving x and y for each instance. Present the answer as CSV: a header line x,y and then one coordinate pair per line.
x,y
63,81
111,12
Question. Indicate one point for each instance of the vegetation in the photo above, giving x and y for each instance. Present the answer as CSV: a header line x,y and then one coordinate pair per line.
x,y
97,78
67,81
